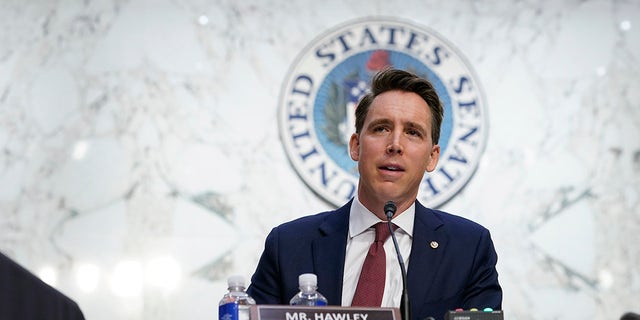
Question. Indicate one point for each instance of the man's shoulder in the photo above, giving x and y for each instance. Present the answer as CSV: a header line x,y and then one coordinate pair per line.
x,y
308,220
329,218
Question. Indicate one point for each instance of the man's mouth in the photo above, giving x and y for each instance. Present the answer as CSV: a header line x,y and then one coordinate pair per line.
x,y
391,168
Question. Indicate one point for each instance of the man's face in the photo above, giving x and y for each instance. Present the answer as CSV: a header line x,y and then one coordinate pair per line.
x,y
394,149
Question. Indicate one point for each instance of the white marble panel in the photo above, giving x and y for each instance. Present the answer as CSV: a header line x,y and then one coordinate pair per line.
x,y
142,131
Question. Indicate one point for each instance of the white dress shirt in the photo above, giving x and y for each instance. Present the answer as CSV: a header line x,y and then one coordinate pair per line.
x,y
361,235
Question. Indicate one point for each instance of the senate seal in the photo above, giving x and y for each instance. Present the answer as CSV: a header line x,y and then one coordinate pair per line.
x,y
325,82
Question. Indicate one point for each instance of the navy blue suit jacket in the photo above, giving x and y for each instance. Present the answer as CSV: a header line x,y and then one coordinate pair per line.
x,y
459,273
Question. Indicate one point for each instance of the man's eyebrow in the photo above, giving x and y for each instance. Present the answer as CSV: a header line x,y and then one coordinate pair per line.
x,y
378,122
415,125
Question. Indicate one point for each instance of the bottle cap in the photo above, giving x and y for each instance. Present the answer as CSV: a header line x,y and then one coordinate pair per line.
x,y
235,281
307,280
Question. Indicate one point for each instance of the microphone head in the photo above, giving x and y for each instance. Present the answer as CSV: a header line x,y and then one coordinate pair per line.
x,y
390,209
630,316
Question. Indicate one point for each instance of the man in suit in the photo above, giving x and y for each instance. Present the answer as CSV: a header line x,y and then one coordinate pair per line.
x,y
451,260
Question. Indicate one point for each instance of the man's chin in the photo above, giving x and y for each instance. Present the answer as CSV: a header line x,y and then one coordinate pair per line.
x,y
389,192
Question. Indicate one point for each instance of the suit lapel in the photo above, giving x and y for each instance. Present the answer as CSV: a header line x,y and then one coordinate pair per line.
x,y
329,254
424,259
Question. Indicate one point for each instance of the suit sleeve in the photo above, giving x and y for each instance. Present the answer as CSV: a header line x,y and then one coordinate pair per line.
x,y
483,289
265,282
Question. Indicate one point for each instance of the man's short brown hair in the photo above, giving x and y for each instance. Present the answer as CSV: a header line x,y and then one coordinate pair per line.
x,y
394,79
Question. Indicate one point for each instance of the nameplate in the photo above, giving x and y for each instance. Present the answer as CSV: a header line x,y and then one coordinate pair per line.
x,y
279,312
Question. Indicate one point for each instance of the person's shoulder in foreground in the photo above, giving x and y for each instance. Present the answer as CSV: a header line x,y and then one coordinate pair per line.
x,y
25,296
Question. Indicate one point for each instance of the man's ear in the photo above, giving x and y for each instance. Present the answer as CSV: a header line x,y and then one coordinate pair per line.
x,y
354,147
433,158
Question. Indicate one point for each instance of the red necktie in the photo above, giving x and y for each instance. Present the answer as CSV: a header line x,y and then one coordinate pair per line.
x,y
372,276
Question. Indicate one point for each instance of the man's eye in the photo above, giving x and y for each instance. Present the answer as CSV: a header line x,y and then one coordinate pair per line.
x,y
379,129
414,132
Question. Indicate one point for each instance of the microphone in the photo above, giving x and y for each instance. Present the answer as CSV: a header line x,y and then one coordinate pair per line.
x,y
405,306
630,316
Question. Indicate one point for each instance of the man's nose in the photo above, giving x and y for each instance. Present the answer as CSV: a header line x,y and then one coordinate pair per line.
x,y
395,145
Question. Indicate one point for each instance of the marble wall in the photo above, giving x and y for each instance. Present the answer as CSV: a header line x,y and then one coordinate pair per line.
x,y
141,162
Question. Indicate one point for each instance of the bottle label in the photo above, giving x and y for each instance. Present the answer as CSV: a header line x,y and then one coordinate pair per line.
x,y
228,311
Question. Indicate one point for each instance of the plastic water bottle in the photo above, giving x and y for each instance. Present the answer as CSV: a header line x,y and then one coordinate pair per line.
x,y
234,305
308,295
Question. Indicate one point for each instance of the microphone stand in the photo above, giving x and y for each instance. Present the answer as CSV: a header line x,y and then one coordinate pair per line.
x,y
405,305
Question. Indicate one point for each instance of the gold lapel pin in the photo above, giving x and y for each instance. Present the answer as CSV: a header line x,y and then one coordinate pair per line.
x,y
434,244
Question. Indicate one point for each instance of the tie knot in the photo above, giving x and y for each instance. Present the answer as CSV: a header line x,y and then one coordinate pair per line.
x,y
382,231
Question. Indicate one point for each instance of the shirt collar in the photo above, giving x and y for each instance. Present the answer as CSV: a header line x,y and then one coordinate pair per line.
x,y
361,219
